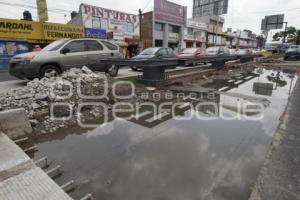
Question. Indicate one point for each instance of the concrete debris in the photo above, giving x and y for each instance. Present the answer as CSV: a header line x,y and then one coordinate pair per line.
x,y
38,96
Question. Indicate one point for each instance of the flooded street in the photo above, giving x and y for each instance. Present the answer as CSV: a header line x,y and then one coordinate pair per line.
x,y
174,159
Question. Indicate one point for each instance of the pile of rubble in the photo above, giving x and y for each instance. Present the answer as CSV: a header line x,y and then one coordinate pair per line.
x,y
69,88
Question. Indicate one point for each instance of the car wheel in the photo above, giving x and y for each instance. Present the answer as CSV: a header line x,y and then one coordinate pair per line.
x,y
134,69
49,71
113,70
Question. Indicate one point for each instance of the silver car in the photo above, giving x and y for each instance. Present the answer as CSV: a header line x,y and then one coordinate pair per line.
x,y
64,54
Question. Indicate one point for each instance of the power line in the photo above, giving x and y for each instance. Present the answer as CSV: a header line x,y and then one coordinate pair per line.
x,y
53,10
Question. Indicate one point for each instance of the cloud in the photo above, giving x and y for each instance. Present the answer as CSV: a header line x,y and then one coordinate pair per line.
x,y
242,14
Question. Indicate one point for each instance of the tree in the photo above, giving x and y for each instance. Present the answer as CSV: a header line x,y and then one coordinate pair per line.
x,y
291,35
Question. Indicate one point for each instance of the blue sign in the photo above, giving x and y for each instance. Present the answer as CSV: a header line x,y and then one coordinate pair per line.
x,y
8,49
95,33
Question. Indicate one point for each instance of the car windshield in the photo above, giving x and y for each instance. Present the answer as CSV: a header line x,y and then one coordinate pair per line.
x,y
212,49
149,51
189,50
55,45
293,49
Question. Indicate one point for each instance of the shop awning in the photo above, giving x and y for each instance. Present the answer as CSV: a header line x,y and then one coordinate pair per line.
x,y
132,41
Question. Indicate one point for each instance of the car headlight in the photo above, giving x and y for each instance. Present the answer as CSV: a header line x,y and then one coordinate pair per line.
x,y
27,60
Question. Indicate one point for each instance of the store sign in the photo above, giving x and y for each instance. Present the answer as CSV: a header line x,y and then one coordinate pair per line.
x,y
110,20
95,33
169,12
173,36
20,29
107,13
54,31
196,25
42,10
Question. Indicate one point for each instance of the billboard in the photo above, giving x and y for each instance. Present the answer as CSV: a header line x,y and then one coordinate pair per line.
x,y
42,10
272,22
196,24
53,31
169,12
8,49
20,29
204,8
109,20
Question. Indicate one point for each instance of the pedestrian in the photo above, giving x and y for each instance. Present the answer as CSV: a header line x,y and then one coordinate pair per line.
x,y
36,48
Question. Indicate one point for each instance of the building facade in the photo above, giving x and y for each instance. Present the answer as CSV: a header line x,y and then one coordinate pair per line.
x,y
215,34
122,28
164,27
195,34
241,39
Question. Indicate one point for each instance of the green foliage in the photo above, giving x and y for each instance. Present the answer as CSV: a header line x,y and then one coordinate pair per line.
x,y
291,35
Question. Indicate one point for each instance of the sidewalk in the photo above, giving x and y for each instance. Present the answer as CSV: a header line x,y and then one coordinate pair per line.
x,y
280,177
21,179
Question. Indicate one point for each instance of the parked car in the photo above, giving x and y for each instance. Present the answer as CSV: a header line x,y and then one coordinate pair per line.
x,y
218,51
192,52
241,52
65,54
232,51
155,52
293,52
264,53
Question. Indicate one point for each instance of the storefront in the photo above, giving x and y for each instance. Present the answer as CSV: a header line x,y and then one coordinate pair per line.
x,y
164,26
169,20
19,36
122,28
195,34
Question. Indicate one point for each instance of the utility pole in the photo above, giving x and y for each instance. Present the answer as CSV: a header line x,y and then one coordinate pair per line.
x,y
285,31
140,21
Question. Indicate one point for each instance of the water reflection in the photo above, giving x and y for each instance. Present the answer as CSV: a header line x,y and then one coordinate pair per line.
x,y
169,159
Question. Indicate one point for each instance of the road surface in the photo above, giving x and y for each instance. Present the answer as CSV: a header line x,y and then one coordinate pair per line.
x,y
8,82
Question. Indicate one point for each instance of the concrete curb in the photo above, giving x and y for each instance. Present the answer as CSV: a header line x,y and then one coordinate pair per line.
x,y
15,123
276,178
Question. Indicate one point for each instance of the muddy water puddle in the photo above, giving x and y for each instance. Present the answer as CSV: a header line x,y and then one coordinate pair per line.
x,y
170,158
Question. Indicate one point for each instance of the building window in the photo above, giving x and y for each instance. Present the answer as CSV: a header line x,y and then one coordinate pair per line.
x,y
173,29
158,43
159,27
96,22
104,24
190,31
130,28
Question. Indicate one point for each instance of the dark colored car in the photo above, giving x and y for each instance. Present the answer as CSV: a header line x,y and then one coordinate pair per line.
x,y
292,53
155,52
218,51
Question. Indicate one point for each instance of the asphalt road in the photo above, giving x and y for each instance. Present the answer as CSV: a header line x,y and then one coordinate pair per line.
x,y
8,82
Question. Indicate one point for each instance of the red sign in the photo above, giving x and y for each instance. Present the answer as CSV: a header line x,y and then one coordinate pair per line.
x,y
107,13
169,12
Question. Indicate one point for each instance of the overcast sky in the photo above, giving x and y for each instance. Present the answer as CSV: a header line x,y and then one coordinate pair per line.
x,y
242,14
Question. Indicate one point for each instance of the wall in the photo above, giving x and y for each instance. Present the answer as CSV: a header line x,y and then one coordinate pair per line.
x,y
38,32
147,30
